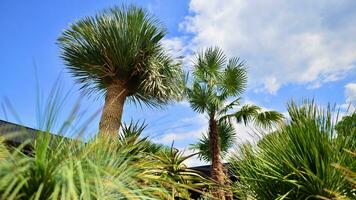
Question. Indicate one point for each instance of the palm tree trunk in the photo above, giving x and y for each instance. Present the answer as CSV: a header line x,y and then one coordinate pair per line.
x,y
217,172
110,120
228,194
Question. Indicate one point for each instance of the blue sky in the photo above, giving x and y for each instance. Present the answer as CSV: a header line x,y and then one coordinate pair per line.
x,y
293,49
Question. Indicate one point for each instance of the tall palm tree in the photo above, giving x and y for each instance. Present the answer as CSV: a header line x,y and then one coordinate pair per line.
x,y
119,53
216,88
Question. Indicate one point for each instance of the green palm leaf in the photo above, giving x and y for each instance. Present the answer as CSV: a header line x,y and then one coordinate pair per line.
x,y
227,136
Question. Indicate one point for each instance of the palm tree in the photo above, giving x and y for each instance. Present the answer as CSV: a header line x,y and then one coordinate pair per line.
x,y
119,53
217,80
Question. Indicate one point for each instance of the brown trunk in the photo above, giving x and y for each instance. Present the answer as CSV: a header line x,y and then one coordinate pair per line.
x,y
229,194
217,172
110,120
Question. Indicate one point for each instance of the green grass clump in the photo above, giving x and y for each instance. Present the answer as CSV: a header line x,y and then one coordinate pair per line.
x,y
74,170
302,160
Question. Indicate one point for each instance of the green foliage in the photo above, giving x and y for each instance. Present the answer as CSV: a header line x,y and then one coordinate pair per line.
x,y
298,160
131,135
254,114
218,82
176,175
3,149
227,139
99,169
122,45
69,169
215,80
346,125
63,168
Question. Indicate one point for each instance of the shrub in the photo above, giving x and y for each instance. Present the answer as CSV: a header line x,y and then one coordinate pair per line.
x,y
298,161
75,170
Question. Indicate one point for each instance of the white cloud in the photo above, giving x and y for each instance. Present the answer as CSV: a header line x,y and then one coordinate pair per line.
x,y
283,42
179,47
270,85
175,45
184,103
199,120
350,96
350,92
171,137
168,138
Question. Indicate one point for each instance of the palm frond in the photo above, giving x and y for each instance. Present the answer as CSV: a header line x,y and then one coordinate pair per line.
x,y
229,106
131,135
234,78
208,65
199,97
227,136
268,119
245,114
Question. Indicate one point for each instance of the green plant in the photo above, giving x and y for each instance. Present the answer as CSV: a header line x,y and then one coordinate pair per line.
x,y
57,167
63,168
347,125
131,135
177,177
217,80
119,53
297,161
74,170
227,136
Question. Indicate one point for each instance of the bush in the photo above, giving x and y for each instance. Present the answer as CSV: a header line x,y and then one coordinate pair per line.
x,y
74,170
298,161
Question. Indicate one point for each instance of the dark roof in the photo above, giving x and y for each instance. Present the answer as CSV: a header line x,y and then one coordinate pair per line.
x,y
206,169
17,133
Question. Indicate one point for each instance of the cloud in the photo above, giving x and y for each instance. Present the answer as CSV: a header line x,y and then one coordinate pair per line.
x,y
183,136
180,47
350,97
175,45
350,92
198,121
283,42
174,137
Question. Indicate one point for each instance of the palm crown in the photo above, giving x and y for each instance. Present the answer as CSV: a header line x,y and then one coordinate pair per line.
x,y
122,45
216,79
119,52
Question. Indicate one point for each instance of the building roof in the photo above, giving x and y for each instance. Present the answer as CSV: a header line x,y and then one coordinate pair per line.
x,y
206,169
16,133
